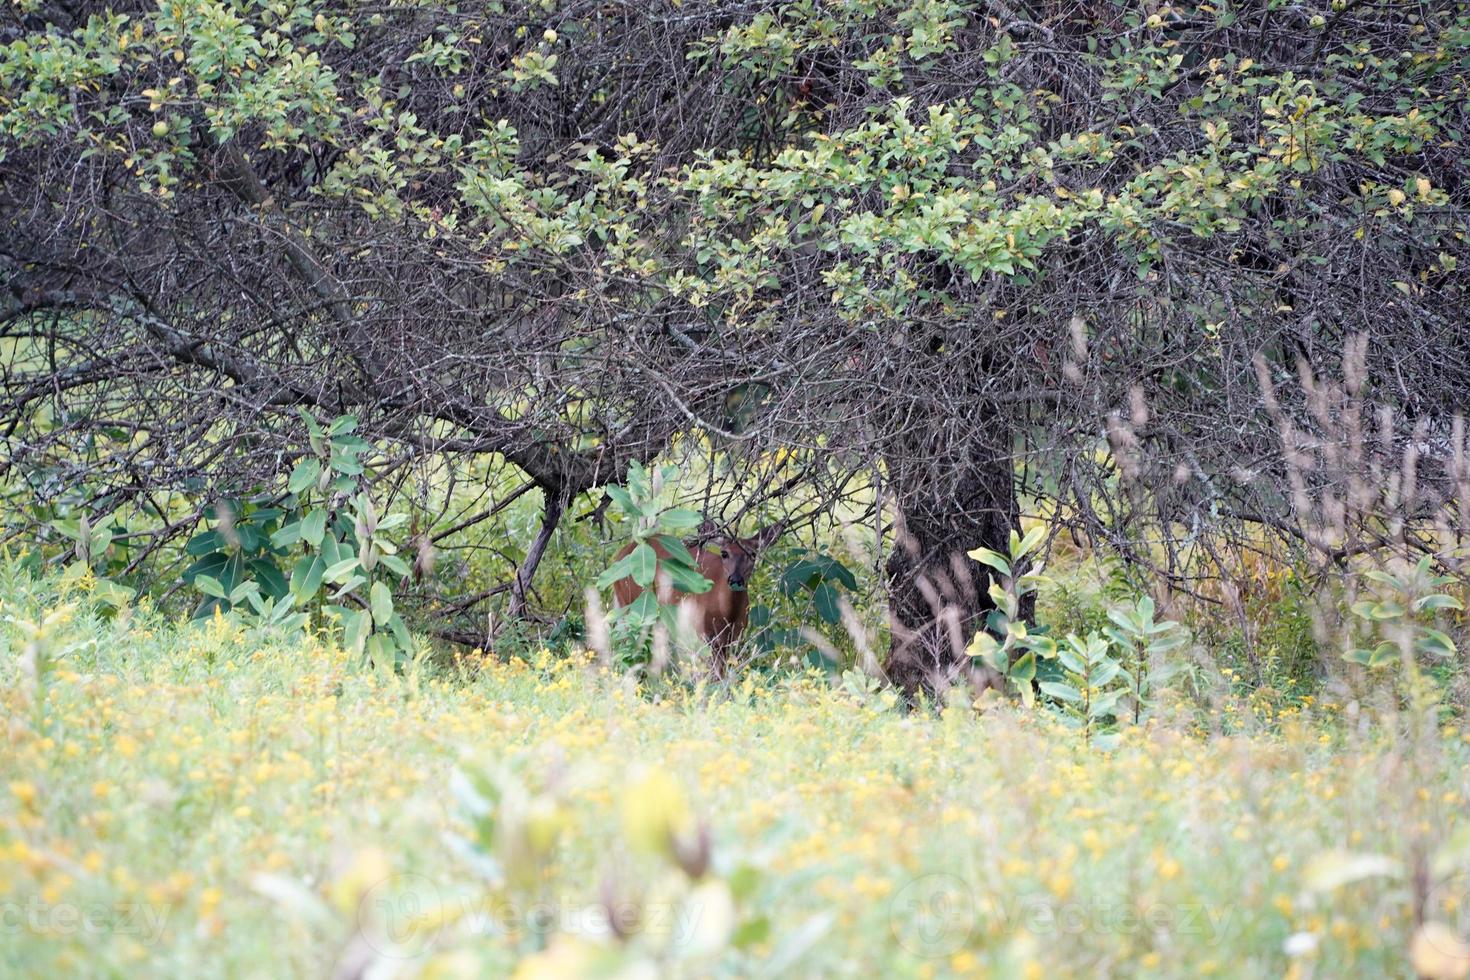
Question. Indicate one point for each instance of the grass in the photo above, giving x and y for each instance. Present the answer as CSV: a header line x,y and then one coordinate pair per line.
x,y
193,801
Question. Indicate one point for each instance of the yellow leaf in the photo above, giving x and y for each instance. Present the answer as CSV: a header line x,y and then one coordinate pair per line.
x,y
654,811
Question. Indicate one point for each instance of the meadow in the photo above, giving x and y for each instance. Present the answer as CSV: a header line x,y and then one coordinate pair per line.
x,y
203,800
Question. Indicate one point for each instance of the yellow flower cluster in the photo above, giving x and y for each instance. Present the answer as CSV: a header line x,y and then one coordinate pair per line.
x,y
212,803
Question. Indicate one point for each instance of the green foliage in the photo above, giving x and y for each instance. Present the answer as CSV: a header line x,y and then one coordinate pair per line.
x,y
92,548
1143,644
327,530
633,625
1109,674
1399,616
1014,654
1091,684
814,585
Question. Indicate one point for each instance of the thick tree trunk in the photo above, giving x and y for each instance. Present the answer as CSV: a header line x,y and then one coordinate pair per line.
x,y
937,594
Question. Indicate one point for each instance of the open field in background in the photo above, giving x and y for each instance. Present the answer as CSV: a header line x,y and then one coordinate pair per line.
x,y
202,802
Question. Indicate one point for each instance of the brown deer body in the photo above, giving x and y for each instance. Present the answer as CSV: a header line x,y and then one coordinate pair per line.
x,y
719,615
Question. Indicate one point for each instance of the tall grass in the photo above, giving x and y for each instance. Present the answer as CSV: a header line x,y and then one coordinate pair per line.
x,y
196,801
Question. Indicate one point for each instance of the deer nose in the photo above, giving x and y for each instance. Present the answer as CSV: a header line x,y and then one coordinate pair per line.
x,y
736,582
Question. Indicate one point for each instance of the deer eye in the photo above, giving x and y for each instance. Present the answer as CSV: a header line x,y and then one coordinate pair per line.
x,y
724,553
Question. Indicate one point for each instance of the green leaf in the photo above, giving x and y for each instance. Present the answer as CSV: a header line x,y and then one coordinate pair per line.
x,y
314,528
1105,705
624,500
269,577
994,559
304,475
1023,671
1435,643
205,543
1031,540
616,572
356,625
210,586
339,571
112,594
286,536
1433,603
381,601
679,519
1043,646
1061,691
1383,654
687,579
800,574
644,564
676,550
825,600
643,609
306,577
1070,661
394,564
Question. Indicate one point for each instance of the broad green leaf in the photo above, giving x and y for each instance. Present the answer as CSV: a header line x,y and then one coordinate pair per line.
x,y
399,629
286,536
826,601
314,528
1031,540
356,624
686,579
381,601
1435,643
269,577
1104,674
339,571
1061,691
617,571
679,519
210,586
624,500
395,565
676,550
644,563
204,543
992,558
304,475
643,609
306,577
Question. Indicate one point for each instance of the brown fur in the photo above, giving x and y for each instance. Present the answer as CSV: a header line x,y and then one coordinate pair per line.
x,y
720,614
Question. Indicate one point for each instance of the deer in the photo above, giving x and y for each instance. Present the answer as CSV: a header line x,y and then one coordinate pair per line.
x,y
719,615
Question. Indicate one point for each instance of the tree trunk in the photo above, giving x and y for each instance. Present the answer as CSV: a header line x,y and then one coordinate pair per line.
x,y
552,511
938,595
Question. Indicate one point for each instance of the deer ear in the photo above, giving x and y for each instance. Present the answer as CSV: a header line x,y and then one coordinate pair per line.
x,y
767,535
